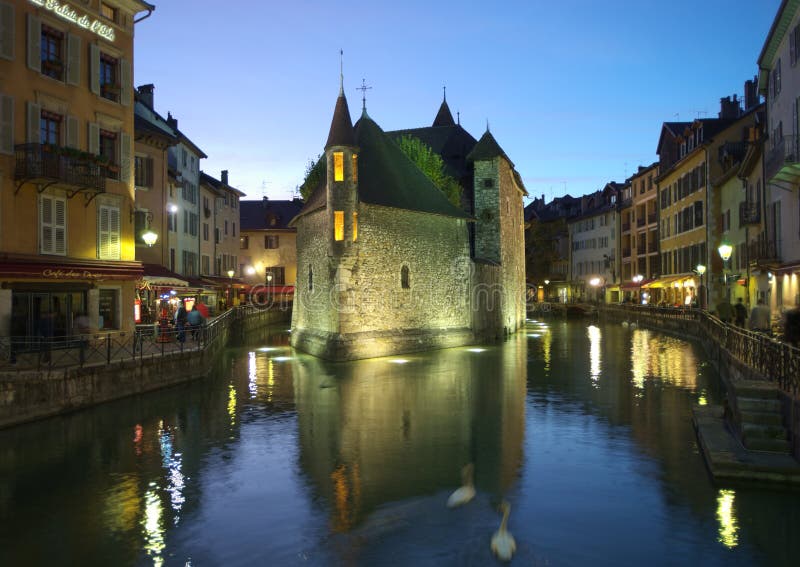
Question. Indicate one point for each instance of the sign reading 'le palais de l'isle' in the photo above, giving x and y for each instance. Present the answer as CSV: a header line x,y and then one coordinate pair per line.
x,y
66,12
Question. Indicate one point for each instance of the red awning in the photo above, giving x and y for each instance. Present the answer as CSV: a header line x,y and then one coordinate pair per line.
x,y
69,269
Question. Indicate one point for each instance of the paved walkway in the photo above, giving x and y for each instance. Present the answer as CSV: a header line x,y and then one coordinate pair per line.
x,y
728,459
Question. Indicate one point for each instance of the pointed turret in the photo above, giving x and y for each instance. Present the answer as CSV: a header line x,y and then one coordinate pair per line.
x,y
444,117
341,133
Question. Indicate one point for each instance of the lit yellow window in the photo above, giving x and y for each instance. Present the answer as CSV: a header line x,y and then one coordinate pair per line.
x,y
355,170
338,166
355,225
338,225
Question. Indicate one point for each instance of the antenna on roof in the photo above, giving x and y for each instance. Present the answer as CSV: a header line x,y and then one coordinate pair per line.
x,y
341,72
444,93
677,117
363,88
699,112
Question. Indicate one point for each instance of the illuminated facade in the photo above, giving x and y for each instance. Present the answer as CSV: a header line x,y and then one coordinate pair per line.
x,y
269,244
386,264
778,246
66,165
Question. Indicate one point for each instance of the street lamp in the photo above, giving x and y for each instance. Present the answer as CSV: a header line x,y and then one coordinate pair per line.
x,y
637,279
725,250
701,269
594,282
150,238
230,287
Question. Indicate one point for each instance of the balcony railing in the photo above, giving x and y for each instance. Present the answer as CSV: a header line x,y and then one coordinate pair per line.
x,y
53,165
764,249
639,222
749,213
652,247
626,252
652,218
626,226
782,159
640,249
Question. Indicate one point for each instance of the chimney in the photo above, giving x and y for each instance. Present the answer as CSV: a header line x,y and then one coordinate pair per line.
x,y
224,176
146,95
729,109
172,122
751,93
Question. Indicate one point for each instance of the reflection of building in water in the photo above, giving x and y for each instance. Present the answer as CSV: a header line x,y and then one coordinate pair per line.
x,y
373,432
659,357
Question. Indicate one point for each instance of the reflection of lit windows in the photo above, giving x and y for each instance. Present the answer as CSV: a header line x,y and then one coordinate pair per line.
x,y
355,170
355,226
405,278
594,351
338,225
727,519
338,166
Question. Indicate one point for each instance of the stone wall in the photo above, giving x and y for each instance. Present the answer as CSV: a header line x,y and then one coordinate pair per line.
x,y
29,395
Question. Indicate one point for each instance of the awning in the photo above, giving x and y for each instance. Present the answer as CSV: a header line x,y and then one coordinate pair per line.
x,y
662,282
156,275
632,286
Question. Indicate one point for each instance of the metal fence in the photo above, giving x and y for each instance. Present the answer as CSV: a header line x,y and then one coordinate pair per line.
x,y
769,356
39,353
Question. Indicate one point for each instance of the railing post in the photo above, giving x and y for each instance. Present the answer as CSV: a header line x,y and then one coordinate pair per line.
x,y
108,348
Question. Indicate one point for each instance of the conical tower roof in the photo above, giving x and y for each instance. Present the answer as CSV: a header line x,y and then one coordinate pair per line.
x,y
487,148
444,117
342,133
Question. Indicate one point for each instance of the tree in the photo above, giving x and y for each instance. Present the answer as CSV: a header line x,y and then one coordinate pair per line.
x,y
431,164
316,170
541,248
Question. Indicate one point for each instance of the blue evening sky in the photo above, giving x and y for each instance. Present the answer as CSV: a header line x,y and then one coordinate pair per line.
x,y
575,91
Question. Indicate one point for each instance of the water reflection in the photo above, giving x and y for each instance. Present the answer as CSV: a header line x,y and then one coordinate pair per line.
x,y
153,526
595,356
726,516
663,358
410,427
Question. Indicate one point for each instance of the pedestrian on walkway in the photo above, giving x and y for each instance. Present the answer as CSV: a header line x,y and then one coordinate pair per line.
x,y
195,320
741,313
760,318
181,318
724,310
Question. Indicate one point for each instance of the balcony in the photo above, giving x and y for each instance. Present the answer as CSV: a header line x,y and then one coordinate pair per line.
x,y
782,162
652,247
640,250
66,168
626,226
749,214
652,218
626,252
764,250
640,222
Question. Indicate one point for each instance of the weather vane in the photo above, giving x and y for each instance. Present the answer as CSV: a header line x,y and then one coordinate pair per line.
x,y
363,88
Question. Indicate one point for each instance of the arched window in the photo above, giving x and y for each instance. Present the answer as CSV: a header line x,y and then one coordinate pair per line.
x,y
405,278
310,278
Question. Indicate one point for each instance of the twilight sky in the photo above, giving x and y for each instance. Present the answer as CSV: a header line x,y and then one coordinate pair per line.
x,y
575,91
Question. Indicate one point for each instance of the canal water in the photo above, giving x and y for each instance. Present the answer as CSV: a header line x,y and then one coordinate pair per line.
x,y
283,459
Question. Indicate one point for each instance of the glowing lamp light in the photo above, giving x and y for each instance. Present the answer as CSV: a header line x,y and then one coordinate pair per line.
x,y
230,273
637,278
250,270
546,282
173,208
476,349
701,269
594,282
150,238
282,358
399,361
725,250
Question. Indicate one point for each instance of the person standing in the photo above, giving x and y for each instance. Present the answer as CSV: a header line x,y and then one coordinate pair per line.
x,y
740,312
195,319
181,318
760,318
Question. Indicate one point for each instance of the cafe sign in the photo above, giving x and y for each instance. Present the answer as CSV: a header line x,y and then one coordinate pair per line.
x,y
64,274
67,12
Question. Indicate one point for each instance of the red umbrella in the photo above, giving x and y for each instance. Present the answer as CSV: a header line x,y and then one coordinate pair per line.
x,y
202,308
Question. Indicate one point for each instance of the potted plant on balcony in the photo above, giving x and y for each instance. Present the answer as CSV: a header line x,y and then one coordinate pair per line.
x,y
110,89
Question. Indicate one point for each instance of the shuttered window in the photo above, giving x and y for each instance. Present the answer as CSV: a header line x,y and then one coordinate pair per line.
x,y
108,239
6,124
6,30
52,225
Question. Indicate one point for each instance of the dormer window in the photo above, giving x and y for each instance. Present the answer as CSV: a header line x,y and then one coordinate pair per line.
x,y
338,166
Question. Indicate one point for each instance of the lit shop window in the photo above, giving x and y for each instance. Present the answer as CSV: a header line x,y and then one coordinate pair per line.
x,y
338,225
338,166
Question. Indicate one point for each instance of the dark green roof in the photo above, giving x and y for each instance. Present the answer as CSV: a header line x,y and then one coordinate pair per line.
x,y
341,133
487,148
387,177
444,117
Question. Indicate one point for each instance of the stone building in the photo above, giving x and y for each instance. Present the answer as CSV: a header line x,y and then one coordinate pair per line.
x,y
386,264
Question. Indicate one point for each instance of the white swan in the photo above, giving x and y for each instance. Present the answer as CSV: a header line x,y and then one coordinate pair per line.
x,y
624,323
503,544
466,492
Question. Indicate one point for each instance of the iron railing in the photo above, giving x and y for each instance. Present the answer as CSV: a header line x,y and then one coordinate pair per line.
x,y
783,152
53,164
749,213
147,341
764,249
769,356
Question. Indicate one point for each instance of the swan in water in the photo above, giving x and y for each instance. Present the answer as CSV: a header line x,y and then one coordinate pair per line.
x,y
624,323
503,544
466,492
633,325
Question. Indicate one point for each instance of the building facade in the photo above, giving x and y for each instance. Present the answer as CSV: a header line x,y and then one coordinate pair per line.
x,y
66,167
593,244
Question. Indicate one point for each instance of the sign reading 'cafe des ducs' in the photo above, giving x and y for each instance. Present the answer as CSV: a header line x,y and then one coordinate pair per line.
x,y
68,13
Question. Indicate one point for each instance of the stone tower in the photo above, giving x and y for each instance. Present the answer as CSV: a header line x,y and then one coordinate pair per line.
x,y
486,156
341,155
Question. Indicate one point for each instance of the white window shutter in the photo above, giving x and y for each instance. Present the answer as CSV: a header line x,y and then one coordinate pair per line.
x,y
34,43
6,124
6,30
94,138
60,226
102,232
46,224
73,59
72,132
113,234
34,123
94,68
125,82
125,157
